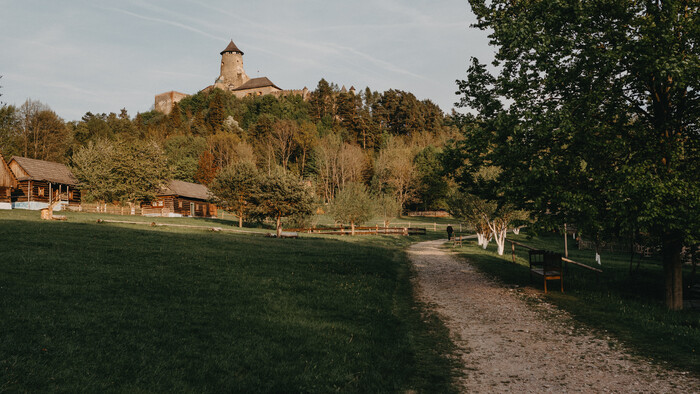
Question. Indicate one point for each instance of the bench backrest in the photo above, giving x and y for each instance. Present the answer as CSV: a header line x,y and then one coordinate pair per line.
x,y
552,262
536,257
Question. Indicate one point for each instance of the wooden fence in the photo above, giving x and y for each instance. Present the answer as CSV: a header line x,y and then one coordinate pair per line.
x,y
588,267
110,209
360,230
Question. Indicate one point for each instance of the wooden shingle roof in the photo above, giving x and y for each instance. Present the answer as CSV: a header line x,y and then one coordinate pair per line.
x,y
186,189
257,83
231,48
41,170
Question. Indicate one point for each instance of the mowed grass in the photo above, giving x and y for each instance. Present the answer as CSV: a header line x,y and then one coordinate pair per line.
x,y
615,303
129,308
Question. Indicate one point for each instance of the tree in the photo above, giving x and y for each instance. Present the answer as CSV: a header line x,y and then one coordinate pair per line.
x,y
281,195
396,172
235,187
432,186
602,107
475,211
206,168
284,137
123,171
92,164
217,111
387,207
10,138
183,154
306,139
353,204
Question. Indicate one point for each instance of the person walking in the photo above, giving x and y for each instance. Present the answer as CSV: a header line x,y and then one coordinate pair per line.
x,y
450,230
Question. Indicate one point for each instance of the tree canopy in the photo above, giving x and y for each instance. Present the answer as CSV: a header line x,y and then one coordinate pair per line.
x,y
592,116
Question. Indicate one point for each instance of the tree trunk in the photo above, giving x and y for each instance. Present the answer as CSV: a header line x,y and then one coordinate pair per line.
x,y
240,218
279,225
352,227
501,241
673,270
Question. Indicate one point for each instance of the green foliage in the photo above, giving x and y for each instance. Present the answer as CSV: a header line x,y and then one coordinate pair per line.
x,y
123,171
280,195
433,187
235,188
600,128
353,204
183,153
387,207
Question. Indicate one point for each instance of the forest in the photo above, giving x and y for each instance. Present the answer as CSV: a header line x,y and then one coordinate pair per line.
x,y
390,143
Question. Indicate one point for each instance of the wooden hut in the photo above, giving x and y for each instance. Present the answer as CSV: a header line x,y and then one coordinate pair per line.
x,y
38,181
8,182
181,198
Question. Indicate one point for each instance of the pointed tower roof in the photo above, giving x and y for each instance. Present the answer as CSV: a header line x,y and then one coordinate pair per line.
x,y
231,48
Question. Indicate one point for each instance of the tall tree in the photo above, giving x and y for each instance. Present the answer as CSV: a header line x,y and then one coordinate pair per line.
x,y
235,187
596,103
353,204
281,195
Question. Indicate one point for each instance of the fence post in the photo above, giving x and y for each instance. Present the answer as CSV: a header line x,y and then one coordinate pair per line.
x,y
512,248
434,226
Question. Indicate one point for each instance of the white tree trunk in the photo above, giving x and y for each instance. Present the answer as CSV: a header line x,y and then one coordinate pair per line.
x,y
516,230
501,241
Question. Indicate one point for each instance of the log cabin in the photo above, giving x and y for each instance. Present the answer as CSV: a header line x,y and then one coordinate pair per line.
x,y
181,198
8,182
38,180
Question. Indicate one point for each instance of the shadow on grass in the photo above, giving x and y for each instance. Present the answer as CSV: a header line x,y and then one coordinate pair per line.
x,y
629,307
90,307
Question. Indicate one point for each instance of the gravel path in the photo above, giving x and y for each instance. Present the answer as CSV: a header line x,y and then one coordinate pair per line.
x,y
508,345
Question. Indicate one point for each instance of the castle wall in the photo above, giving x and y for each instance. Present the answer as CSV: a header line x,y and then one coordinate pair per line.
x,y
164,101
256,91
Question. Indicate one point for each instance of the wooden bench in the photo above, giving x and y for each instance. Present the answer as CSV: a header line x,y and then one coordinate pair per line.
x,y
457,240
548,265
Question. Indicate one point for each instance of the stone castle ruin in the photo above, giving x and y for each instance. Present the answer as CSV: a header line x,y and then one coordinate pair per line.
x,y
234,79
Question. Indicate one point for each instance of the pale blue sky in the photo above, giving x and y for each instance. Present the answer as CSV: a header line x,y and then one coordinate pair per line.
x,y
101,56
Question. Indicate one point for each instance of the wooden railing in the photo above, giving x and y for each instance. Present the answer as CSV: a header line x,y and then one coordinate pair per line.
x,y
588,267
361,230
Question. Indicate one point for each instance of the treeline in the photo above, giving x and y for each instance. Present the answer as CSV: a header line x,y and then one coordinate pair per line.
x,y
390,142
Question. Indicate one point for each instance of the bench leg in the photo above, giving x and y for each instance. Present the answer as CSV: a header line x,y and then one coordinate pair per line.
x,y
545,285
561,281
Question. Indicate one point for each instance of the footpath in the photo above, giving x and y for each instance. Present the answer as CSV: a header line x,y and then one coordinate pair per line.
x,y
508,344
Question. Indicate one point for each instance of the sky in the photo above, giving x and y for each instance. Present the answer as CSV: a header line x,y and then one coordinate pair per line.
x,y
100,56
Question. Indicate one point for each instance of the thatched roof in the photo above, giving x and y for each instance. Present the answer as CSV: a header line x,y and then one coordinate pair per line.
x,y
231,48
257,83
41,170
186,189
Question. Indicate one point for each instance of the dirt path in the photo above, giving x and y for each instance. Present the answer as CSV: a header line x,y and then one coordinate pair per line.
x,y
508,345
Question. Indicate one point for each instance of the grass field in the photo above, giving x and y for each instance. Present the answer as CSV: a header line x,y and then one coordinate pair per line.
x,y
629,307
115,307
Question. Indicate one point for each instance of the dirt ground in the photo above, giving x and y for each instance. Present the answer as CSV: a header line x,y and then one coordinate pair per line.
x,y
508,344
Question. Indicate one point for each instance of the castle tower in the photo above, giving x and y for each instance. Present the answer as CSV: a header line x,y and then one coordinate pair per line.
x,y
232,72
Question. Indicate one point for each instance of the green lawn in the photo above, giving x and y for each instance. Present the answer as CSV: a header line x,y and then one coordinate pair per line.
x,y
629,307
131,308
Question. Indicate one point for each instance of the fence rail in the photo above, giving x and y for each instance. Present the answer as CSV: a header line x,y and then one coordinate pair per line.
x,y
512,248
361,230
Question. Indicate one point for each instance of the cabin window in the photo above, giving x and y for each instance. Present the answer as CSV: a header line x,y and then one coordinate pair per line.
x,y
157,203
41,192
196,207
179,204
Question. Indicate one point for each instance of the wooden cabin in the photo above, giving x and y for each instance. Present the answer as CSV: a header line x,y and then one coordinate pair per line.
x,y
181,198
38,180
8,182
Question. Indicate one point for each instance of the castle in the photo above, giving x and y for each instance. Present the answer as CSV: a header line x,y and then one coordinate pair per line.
x,y
232,78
